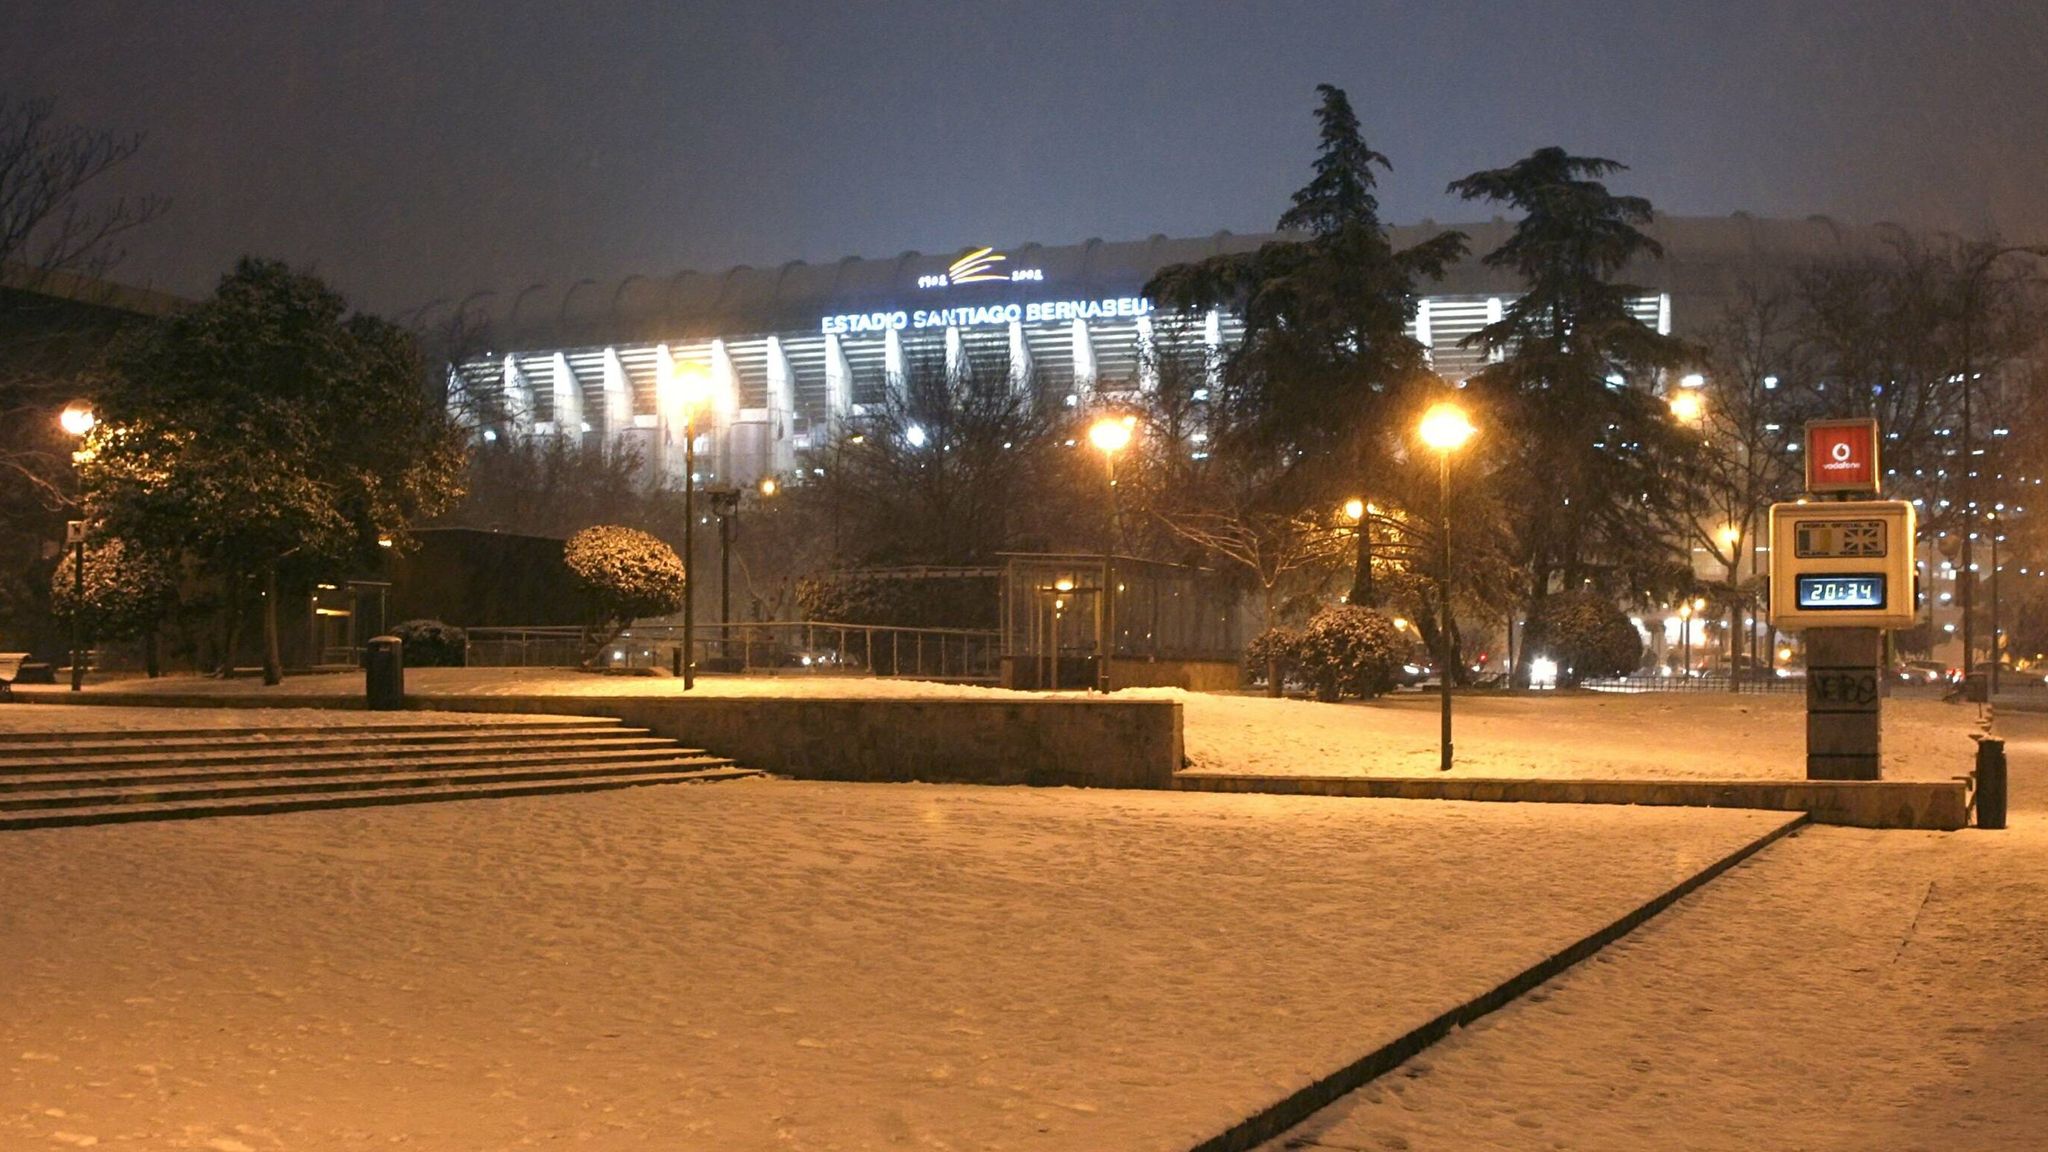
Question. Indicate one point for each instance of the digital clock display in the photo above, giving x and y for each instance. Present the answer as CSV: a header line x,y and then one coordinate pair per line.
x,y
1842,592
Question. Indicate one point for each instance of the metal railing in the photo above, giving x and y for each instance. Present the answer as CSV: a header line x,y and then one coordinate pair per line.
x,y
781,647
1702,682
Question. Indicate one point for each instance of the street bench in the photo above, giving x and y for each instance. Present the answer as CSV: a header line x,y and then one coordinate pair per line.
x,y
10,668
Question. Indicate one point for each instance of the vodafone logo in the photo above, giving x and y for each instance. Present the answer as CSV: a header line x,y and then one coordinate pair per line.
x,y
1841,456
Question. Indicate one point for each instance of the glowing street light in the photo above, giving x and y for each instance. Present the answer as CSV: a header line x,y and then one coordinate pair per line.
x,y
1688,407
1445,428
1354,510
76,420
689,393
1111,434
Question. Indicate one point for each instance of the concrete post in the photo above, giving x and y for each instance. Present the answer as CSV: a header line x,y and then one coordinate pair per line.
x,y
1842,703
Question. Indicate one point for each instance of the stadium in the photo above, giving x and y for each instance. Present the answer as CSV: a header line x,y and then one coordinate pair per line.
x,y
794,349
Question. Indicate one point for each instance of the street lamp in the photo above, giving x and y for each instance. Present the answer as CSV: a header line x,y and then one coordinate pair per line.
x,y
1445,428
690,393
1111,434
1688,407
77,420
1685,640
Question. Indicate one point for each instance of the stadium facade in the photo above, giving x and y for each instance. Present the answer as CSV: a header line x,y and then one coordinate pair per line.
x,y
793,350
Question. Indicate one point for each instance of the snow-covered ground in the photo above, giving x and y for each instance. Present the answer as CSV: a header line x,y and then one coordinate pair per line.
x,y
770,965
1842,991
1704,735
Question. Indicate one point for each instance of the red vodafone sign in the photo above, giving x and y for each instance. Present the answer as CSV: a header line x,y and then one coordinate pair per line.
x,y
1841,455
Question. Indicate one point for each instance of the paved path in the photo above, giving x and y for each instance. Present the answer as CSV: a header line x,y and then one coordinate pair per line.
x,y
1843,990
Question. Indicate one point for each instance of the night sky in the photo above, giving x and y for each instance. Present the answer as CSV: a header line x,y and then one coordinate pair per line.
x,y
416,151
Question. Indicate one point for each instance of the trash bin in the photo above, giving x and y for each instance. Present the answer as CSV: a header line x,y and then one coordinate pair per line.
x,y
384,674
1990,782
1977,688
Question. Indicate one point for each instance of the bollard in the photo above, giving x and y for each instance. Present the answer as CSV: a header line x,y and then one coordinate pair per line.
x,y
1990,782
384,674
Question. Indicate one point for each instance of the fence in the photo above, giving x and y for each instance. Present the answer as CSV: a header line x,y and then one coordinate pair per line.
x,y
956,654
1704,682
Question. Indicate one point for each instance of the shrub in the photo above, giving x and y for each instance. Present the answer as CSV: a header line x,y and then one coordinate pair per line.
x,y
127,589
625,574
432,644
1348,650
1588,636
1276,655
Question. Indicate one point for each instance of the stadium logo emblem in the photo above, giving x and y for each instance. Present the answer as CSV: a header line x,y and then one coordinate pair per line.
x,y
979,267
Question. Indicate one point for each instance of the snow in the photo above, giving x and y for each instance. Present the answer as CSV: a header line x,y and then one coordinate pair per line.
x,y
771,965
1702,735
1584,736
1842,990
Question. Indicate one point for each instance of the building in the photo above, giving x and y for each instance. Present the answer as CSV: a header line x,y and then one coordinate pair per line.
x,y
794,349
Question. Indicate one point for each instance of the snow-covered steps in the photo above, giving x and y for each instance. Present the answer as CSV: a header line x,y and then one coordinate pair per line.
x,y
66,778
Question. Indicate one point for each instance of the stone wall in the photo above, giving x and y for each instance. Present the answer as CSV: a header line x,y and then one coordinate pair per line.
x,y
1085,743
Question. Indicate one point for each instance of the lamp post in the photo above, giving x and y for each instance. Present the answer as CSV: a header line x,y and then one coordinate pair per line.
x,y
1997,653
77,420
1445,428
1685,640
1111,434
725,504
691,384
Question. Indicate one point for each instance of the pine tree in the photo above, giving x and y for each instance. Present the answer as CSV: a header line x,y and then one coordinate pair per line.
x,y
1572,388
1311,398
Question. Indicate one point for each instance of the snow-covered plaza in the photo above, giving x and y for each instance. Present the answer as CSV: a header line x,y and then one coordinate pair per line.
x,y
776,964
768,965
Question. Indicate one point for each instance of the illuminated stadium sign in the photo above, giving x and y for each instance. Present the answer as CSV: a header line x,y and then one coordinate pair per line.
x,y
1040,312
980,266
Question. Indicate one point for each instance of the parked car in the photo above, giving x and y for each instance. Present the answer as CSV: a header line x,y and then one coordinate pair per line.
x,y
1921,672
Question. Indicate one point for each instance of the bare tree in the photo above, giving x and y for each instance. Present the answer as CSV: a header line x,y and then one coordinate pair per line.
x,y
48,222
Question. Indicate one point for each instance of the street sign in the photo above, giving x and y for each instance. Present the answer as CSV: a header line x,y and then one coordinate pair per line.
x,y
1841,456
1842,565
74,533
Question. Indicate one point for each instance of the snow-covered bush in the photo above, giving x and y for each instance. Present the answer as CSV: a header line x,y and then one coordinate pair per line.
x,y
626,574
127,589
1276,655
1587,635
1350,651
432,644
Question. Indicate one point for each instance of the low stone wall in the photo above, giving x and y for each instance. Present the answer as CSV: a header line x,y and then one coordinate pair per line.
x,y
1083,743
1936,805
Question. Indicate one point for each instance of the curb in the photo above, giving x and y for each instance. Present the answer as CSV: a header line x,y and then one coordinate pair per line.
x,y
1283,1114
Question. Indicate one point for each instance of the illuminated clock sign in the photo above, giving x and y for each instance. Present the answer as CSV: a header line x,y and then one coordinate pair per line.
x,y
1841,456
981,266
1847,564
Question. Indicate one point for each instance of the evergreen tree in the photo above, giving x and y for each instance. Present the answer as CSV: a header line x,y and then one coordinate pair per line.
x,y
1571,397
269,434
1310,398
